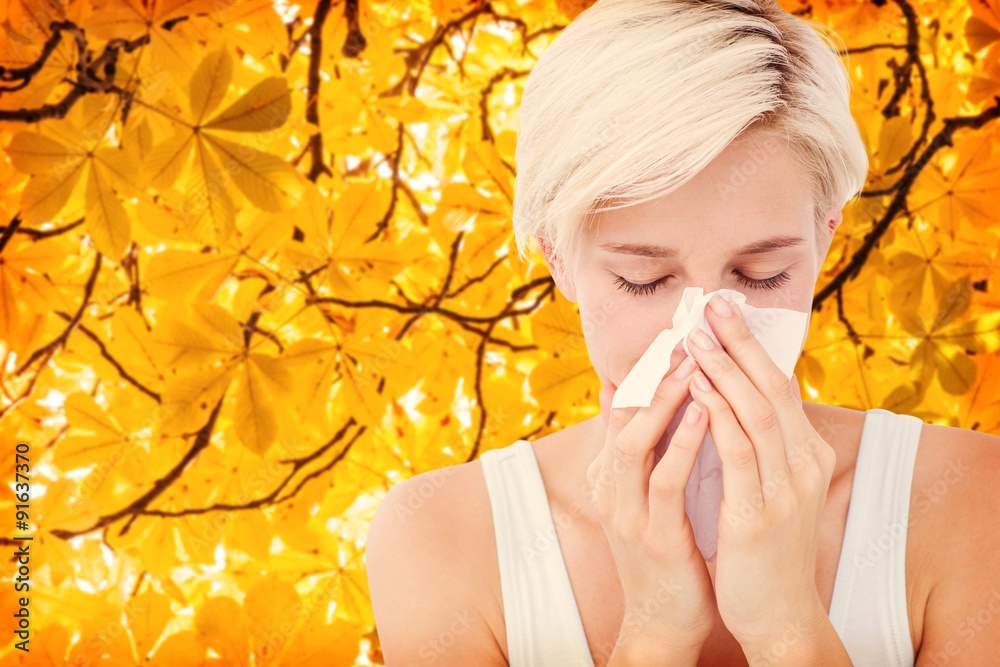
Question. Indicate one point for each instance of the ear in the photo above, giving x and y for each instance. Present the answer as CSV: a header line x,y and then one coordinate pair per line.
x,y
834,217
558,270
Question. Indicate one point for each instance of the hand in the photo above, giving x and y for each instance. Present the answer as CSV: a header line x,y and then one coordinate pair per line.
x,y
776,472
669,602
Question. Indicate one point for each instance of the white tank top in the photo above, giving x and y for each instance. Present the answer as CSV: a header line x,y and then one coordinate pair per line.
x,y
868,609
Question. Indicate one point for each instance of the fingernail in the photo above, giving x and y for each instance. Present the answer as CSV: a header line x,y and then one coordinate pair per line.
x,y
720,306
693,414
702,381
702,340
685,368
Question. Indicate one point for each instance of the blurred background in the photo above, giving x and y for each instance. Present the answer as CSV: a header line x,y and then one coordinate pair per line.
x,y
257,267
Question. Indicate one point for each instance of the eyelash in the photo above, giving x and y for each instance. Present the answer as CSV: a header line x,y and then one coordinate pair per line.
x,y
774,282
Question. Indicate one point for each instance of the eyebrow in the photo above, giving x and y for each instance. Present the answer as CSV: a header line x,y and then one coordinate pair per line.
x,y
764,245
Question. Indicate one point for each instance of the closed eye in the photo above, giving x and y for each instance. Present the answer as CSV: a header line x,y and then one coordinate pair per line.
x,y
640,289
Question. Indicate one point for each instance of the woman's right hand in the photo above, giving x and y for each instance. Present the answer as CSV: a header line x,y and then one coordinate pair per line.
x,y
670,604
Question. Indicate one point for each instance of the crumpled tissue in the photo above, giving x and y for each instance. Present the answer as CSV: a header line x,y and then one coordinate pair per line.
x,y
782,334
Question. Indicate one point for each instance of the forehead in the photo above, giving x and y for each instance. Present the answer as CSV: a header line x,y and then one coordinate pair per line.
x,y
754,186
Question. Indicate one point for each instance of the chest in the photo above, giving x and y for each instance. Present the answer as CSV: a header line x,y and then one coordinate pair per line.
x,y
598,593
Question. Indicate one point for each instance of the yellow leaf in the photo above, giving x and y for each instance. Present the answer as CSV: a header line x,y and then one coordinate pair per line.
x,y
403,108
119,167
352,596
10,318
313,217
269,182
200,534
980,336
159,548
180,345
130,336
220,322
987,11
980,34
263,108
107,221
320,644
181,649
956,371
249,531
315,367
210,83
483,165
273,608
207,190
116,19
555,328
561,381
167,159
254,26
49,645
46,194
254,420
173,273
62,507
221,622
894,141
953,303
147,615
188,400
33,153
271,373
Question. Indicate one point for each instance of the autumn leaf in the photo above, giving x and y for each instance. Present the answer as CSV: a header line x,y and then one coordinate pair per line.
x,y
257,266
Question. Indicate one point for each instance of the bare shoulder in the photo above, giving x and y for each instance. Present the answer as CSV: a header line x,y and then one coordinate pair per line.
x,y
958,480
427,572
955,496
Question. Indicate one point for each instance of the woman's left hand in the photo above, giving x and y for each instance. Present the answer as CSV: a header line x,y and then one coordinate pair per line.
x,y
776,471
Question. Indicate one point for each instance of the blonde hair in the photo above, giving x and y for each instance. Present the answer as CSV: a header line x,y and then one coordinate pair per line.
x,y
635,97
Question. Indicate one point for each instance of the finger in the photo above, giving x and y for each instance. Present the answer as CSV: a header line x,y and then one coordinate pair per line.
x,y
604,396
741,480
757,366
632,450
623,415
757,417
670,476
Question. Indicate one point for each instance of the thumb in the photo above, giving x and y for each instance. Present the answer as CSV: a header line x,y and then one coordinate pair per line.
x,y
605,396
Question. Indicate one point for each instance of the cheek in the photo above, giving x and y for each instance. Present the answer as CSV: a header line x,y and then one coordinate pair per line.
x,y
799,297
617,332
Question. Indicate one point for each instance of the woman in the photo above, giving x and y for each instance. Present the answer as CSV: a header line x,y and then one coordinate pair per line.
x,y
709,143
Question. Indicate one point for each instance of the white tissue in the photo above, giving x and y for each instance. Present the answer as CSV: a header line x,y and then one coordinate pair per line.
x,y
782,334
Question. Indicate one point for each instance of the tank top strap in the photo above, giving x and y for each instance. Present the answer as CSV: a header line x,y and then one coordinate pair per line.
x,y
868,608
541,615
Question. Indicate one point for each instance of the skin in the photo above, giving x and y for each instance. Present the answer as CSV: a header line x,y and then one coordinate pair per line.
x,y
774,200
448,535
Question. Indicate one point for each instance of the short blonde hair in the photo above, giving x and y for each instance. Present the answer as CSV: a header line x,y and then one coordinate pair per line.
x,y
634,97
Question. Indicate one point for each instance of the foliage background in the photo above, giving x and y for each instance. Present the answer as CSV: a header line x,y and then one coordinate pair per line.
x,y
256,267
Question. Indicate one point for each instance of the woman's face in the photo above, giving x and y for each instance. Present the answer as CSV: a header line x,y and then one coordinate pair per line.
x,y
745,222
